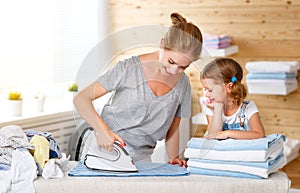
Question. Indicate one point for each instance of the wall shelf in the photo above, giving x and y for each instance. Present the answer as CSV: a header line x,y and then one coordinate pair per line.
x,y
233,49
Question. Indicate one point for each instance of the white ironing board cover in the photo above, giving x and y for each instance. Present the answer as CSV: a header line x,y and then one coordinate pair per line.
x,y
276,183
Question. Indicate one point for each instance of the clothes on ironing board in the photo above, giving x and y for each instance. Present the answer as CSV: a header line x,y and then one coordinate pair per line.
x,y
235,155
144,169
236,144
262,169
257,157
211,172
55,150
11,137
41,150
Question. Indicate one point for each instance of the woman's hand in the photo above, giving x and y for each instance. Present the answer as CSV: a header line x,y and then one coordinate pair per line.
x,y
106,140
178,161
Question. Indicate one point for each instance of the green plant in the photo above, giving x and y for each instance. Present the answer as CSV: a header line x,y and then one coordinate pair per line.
x,y
73,87
14,95
40,96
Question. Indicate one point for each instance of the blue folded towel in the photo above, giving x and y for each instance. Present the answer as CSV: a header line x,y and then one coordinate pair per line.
x,y
235,144
280,75
203,171
144,169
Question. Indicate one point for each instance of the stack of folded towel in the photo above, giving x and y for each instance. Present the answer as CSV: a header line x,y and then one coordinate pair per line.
x,y
256,158
211,41
267,77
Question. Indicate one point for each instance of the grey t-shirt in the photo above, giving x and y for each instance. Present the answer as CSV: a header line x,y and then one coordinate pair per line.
x,y
135,113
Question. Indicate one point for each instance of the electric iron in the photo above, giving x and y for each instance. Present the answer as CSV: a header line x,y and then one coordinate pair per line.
x,y
118,160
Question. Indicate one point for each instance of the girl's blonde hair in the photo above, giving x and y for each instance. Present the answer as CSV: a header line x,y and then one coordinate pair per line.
x,y
183,36
226,70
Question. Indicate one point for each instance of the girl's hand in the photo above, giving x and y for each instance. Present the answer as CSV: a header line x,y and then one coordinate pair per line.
x,y
178,161
222,135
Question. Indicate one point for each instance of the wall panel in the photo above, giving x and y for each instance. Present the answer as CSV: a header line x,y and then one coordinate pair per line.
x,y
263,30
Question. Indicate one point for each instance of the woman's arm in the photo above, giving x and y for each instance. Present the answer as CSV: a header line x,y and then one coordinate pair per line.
x,y
83,102
257,130
172,143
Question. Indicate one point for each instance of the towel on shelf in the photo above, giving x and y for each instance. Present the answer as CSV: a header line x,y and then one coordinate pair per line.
x,y
264,75
262,169
291,149
272,86
211,41
273,66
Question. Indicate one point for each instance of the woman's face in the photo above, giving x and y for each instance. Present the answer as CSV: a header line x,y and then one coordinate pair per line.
x,y
215,92
172,62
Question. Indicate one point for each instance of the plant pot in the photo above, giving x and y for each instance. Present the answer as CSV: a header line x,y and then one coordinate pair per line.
x,y
14,107
39,105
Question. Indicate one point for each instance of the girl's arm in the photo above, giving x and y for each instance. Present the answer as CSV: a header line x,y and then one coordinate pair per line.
x,y
83,102
172,143
215,122
257,130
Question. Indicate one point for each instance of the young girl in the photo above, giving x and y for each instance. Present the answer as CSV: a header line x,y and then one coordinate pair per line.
x,y
228,114
151,94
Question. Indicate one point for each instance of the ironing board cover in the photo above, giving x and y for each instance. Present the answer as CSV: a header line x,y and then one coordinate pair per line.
x,y
144,169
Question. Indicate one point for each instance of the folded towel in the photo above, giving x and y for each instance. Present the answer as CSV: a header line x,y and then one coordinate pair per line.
x,y
236,144
211,38
236,155
272,66
262,169
280,75
144,169
291,149
272,82
203,171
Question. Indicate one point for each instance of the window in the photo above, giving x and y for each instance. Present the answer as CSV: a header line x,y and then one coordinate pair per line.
x,y
44,42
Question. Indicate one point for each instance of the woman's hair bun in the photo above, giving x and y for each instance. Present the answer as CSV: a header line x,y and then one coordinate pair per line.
x,y
177,18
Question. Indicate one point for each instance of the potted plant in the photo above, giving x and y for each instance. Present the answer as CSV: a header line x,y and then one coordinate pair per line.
x,y
15,103
72,90
39,100
73,87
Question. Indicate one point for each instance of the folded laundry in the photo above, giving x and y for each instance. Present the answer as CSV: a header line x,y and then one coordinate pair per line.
x,y
264,75
236,155
210,38
272,66
262,169
210,172
234,144
254,158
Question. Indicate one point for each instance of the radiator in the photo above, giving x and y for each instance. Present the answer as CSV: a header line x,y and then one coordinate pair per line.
x,y
60,125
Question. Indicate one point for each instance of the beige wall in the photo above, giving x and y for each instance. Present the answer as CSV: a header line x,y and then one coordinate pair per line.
x,y
263,30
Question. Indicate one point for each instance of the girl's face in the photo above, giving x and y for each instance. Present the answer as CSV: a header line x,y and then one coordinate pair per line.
x,y
172,62
214,92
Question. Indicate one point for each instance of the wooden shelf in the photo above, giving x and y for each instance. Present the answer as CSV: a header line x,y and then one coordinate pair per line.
x,y
233,49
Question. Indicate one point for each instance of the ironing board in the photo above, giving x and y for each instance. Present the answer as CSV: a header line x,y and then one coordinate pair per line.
x,y
276,183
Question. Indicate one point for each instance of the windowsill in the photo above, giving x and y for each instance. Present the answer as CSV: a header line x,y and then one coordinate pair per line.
x,y
52,106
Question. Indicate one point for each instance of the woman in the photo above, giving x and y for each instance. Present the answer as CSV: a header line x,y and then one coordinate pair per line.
x,y
150,95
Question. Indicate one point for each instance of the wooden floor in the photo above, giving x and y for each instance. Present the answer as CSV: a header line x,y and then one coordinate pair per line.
x,y
292,169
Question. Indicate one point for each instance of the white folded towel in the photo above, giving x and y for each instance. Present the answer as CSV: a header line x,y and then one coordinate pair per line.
x,y
273,66
234,155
